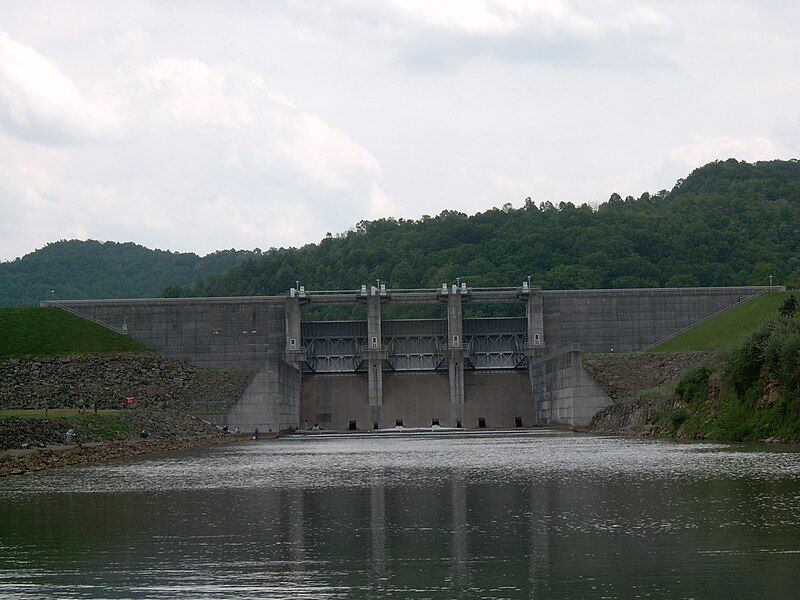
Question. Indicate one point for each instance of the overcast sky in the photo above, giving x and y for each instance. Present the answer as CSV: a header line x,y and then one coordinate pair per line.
x,y
206,125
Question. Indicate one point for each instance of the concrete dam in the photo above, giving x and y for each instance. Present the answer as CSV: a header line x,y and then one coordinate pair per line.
x,y
378,373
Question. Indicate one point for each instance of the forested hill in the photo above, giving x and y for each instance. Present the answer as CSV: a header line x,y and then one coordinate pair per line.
x,y
728,223
90,269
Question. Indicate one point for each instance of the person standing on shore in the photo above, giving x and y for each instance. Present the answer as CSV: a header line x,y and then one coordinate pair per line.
x,y
255,433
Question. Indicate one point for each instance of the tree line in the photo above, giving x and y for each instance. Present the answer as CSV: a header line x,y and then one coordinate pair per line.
x,y
76,269
727,223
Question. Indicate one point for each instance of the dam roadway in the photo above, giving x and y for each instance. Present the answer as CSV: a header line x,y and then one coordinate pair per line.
x,y
377,373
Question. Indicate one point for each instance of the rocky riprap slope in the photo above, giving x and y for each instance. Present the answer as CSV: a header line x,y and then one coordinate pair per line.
x,y
630,418
641,385
106,380
166,390
625,376
52,458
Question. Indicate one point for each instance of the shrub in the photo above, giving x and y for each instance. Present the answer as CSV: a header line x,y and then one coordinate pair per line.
x,y
694,385
781,353
789,307
731,421
745,364
678,417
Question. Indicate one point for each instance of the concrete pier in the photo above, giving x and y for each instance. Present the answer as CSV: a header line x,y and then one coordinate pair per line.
x,y
374,353
534,311
534,344
294,351
456,351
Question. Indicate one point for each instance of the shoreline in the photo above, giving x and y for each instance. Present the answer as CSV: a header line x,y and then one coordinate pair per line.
x,y
19,461
679,439
22,461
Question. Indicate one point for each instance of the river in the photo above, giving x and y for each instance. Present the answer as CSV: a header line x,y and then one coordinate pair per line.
x,y
541,514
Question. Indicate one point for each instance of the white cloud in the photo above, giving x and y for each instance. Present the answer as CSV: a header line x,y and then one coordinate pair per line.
x,y
190,90
198,126
547,18
273,127
209,143
450,32
641,17
39,103
701,150
226,222
323,152
380,203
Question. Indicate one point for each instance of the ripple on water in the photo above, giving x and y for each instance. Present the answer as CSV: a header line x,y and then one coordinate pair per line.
x,y
411,460
512,515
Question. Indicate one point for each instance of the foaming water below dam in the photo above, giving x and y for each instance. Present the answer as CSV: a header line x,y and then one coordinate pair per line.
x,y
545,514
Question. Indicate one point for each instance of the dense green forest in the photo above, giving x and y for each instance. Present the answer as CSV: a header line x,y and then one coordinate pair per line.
x,y
728,223
91,269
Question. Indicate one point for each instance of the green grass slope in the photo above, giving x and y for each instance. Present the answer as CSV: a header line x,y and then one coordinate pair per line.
x,y
49,331
728,329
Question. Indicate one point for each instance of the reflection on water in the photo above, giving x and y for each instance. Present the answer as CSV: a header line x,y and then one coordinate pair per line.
x,y
545,515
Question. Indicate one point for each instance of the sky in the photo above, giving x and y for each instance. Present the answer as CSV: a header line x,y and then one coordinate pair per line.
x,y
197,126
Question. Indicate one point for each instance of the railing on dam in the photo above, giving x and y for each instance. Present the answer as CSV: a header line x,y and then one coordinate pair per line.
x,y
415,344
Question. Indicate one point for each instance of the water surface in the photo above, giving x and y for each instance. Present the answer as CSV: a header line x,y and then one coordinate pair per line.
x,y
540,514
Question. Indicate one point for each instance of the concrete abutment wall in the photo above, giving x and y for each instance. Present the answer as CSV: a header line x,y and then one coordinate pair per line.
x,y
564,392
227,333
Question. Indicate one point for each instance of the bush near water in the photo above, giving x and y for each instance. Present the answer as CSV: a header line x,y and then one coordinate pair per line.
x,y
753,394
750,392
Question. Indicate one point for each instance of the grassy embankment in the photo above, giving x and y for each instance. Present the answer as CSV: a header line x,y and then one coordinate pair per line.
x,y
52,332
727,330
753,391
43,332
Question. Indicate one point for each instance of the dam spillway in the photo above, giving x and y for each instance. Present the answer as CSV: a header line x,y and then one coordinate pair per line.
x,y
375,373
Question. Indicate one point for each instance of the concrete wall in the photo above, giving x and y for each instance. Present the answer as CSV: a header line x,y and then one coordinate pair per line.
x,y
208,332
564,391
271,402
629,320
497,396
241,332
598,320
216,332
333,400
417,399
